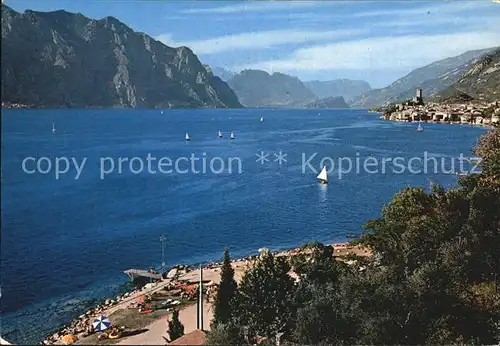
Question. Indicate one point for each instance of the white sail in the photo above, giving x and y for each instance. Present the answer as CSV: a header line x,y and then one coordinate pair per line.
x,y
261,119
420,128
53,127
232,135
220,134
187,137
322,175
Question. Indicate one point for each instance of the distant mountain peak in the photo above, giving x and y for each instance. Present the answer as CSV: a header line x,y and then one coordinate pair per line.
x,y
257,88
328,102
347,88
223,73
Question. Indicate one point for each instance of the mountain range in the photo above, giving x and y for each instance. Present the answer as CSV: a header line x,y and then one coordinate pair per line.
x,y
257,88
432,78
347,88
328,102
62,59
481,81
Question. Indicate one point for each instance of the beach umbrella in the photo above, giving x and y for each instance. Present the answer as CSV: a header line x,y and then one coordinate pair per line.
x,y
101,323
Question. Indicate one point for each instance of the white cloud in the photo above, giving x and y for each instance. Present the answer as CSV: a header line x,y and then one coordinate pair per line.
x,y
442,8
254,6
472,21
167,39
410,16
379,53
257,40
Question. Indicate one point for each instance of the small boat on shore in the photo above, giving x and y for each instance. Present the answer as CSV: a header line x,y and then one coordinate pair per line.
x,y
187,137
322,176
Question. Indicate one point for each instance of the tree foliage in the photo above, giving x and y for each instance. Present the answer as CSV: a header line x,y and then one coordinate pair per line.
x,y
265,296
175,327
226,292
225,334
434,277
488,149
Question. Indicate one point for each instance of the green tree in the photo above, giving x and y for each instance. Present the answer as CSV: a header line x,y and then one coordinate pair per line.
x,y
226,292
317,264
225,334
488,149
264,302
175,327
431,279
317,318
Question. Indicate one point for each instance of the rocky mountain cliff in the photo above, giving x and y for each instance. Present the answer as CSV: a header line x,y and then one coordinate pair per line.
x,y
62,59
432,78
328,102
481,82
347,88
257,88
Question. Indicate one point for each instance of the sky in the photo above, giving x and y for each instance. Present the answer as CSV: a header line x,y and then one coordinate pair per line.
x,y
376,41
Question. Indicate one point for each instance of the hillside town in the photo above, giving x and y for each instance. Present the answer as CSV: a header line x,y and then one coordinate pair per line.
x,y
486,114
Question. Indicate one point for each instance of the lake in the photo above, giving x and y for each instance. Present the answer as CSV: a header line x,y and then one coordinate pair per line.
x,y
68,235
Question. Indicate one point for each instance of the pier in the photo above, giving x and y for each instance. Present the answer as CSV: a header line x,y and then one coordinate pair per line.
x,y
138,273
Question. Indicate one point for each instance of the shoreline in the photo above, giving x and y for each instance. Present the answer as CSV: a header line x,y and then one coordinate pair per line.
x,y
178,277
486,126
475,114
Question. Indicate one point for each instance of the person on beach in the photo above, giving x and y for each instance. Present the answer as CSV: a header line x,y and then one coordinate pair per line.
x,y
90,328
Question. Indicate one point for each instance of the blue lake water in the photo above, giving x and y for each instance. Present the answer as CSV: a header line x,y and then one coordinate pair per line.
x,y
67,241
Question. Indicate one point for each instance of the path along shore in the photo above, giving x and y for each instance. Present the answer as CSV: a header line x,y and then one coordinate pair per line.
x,y
175,292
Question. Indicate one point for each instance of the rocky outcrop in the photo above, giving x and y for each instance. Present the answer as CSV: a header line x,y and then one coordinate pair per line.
x,y
257,88
62,59
328,102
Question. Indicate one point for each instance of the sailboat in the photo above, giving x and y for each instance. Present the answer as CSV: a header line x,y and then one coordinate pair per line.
x,y
187,137
232,135
261,119
220,134
420,127
53,127
322,176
